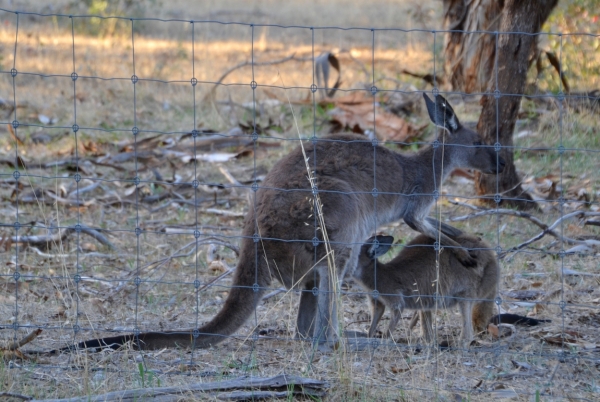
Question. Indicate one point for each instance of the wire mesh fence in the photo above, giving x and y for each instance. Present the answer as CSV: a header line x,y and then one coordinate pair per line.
x,y
124,212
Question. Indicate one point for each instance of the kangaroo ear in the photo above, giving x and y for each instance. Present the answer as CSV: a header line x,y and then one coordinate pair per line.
x,y
441,113
379,245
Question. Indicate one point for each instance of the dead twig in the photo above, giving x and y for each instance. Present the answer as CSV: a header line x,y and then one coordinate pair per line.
x,y
546,230
44,241
24,341
12,352
78,192
160,263
550,230
555,62
37,195
428,78
224,212
218,278
280,386
14,395
231,179
510,212
274,293
97,235
210,96
360,64
14,135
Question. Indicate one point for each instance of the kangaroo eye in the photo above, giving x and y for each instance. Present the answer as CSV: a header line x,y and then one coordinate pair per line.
x,y
477,143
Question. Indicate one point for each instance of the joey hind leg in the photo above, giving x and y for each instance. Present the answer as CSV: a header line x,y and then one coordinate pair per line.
x,y
395,317
482,314
377,310
326,328
426,227
426,319
326,323
466,311
307,312
413,320
446,229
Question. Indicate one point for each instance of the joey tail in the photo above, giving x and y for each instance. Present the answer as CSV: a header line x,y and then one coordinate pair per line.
x,y
506,318
243,298
516,319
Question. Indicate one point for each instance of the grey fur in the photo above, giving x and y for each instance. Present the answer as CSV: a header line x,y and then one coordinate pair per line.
x,y
279,229
411,280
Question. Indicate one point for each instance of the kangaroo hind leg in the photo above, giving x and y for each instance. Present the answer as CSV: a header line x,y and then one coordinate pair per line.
x,y
307,312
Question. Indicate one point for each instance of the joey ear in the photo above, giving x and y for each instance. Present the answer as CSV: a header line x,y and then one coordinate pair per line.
x,y
379,245
441,113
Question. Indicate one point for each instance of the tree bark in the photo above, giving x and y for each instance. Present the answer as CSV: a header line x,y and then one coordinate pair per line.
x,y
469,57
499,115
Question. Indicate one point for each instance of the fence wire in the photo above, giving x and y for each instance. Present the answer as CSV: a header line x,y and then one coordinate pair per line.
x,y
82,273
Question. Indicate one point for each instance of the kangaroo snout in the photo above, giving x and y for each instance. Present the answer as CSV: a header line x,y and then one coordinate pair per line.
x,y
501,163
496,166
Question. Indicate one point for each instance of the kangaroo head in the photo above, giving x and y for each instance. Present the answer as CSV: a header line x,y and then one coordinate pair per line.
x,y
465,145
373,248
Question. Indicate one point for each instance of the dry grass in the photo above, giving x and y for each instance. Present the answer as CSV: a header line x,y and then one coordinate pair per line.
x,y
48,297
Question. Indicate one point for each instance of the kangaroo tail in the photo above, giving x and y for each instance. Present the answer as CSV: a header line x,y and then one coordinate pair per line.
x,y
249,285
144,341
516,319
241,302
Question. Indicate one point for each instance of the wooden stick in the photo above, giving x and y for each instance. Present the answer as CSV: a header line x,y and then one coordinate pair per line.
x,y
14,395
550,230
545,228
30,337
287,385
43,240
210,95
14,135
520,214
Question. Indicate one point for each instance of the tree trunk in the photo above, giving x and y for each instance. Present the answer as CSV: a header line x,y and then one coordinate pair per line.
x,y
513,54
469,57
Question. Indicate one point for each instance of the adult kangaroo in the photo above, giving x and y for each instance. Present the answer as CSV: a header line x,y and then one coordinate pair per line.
x,y
360,185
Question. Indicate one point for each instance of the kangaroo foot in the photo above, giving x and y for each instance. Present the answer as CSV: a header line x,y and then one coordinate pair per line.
x,y
327,346
302,337
466,259
455,344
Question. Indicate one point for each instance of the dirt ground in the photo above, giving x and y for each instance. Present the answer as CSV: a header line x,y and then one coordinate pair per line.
x,y
111,279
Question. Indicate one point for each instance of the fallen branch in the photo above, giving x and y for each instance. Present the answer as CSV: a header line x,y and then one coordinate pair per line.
x,y
13,395
555,62
224,212
44,240
14,135
519,214
550,230
211,94
97,235
160,263
37,196
82,190
545,228
47,255
428,78
279,386
30,337
273,293
218,278
232,179
12,352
